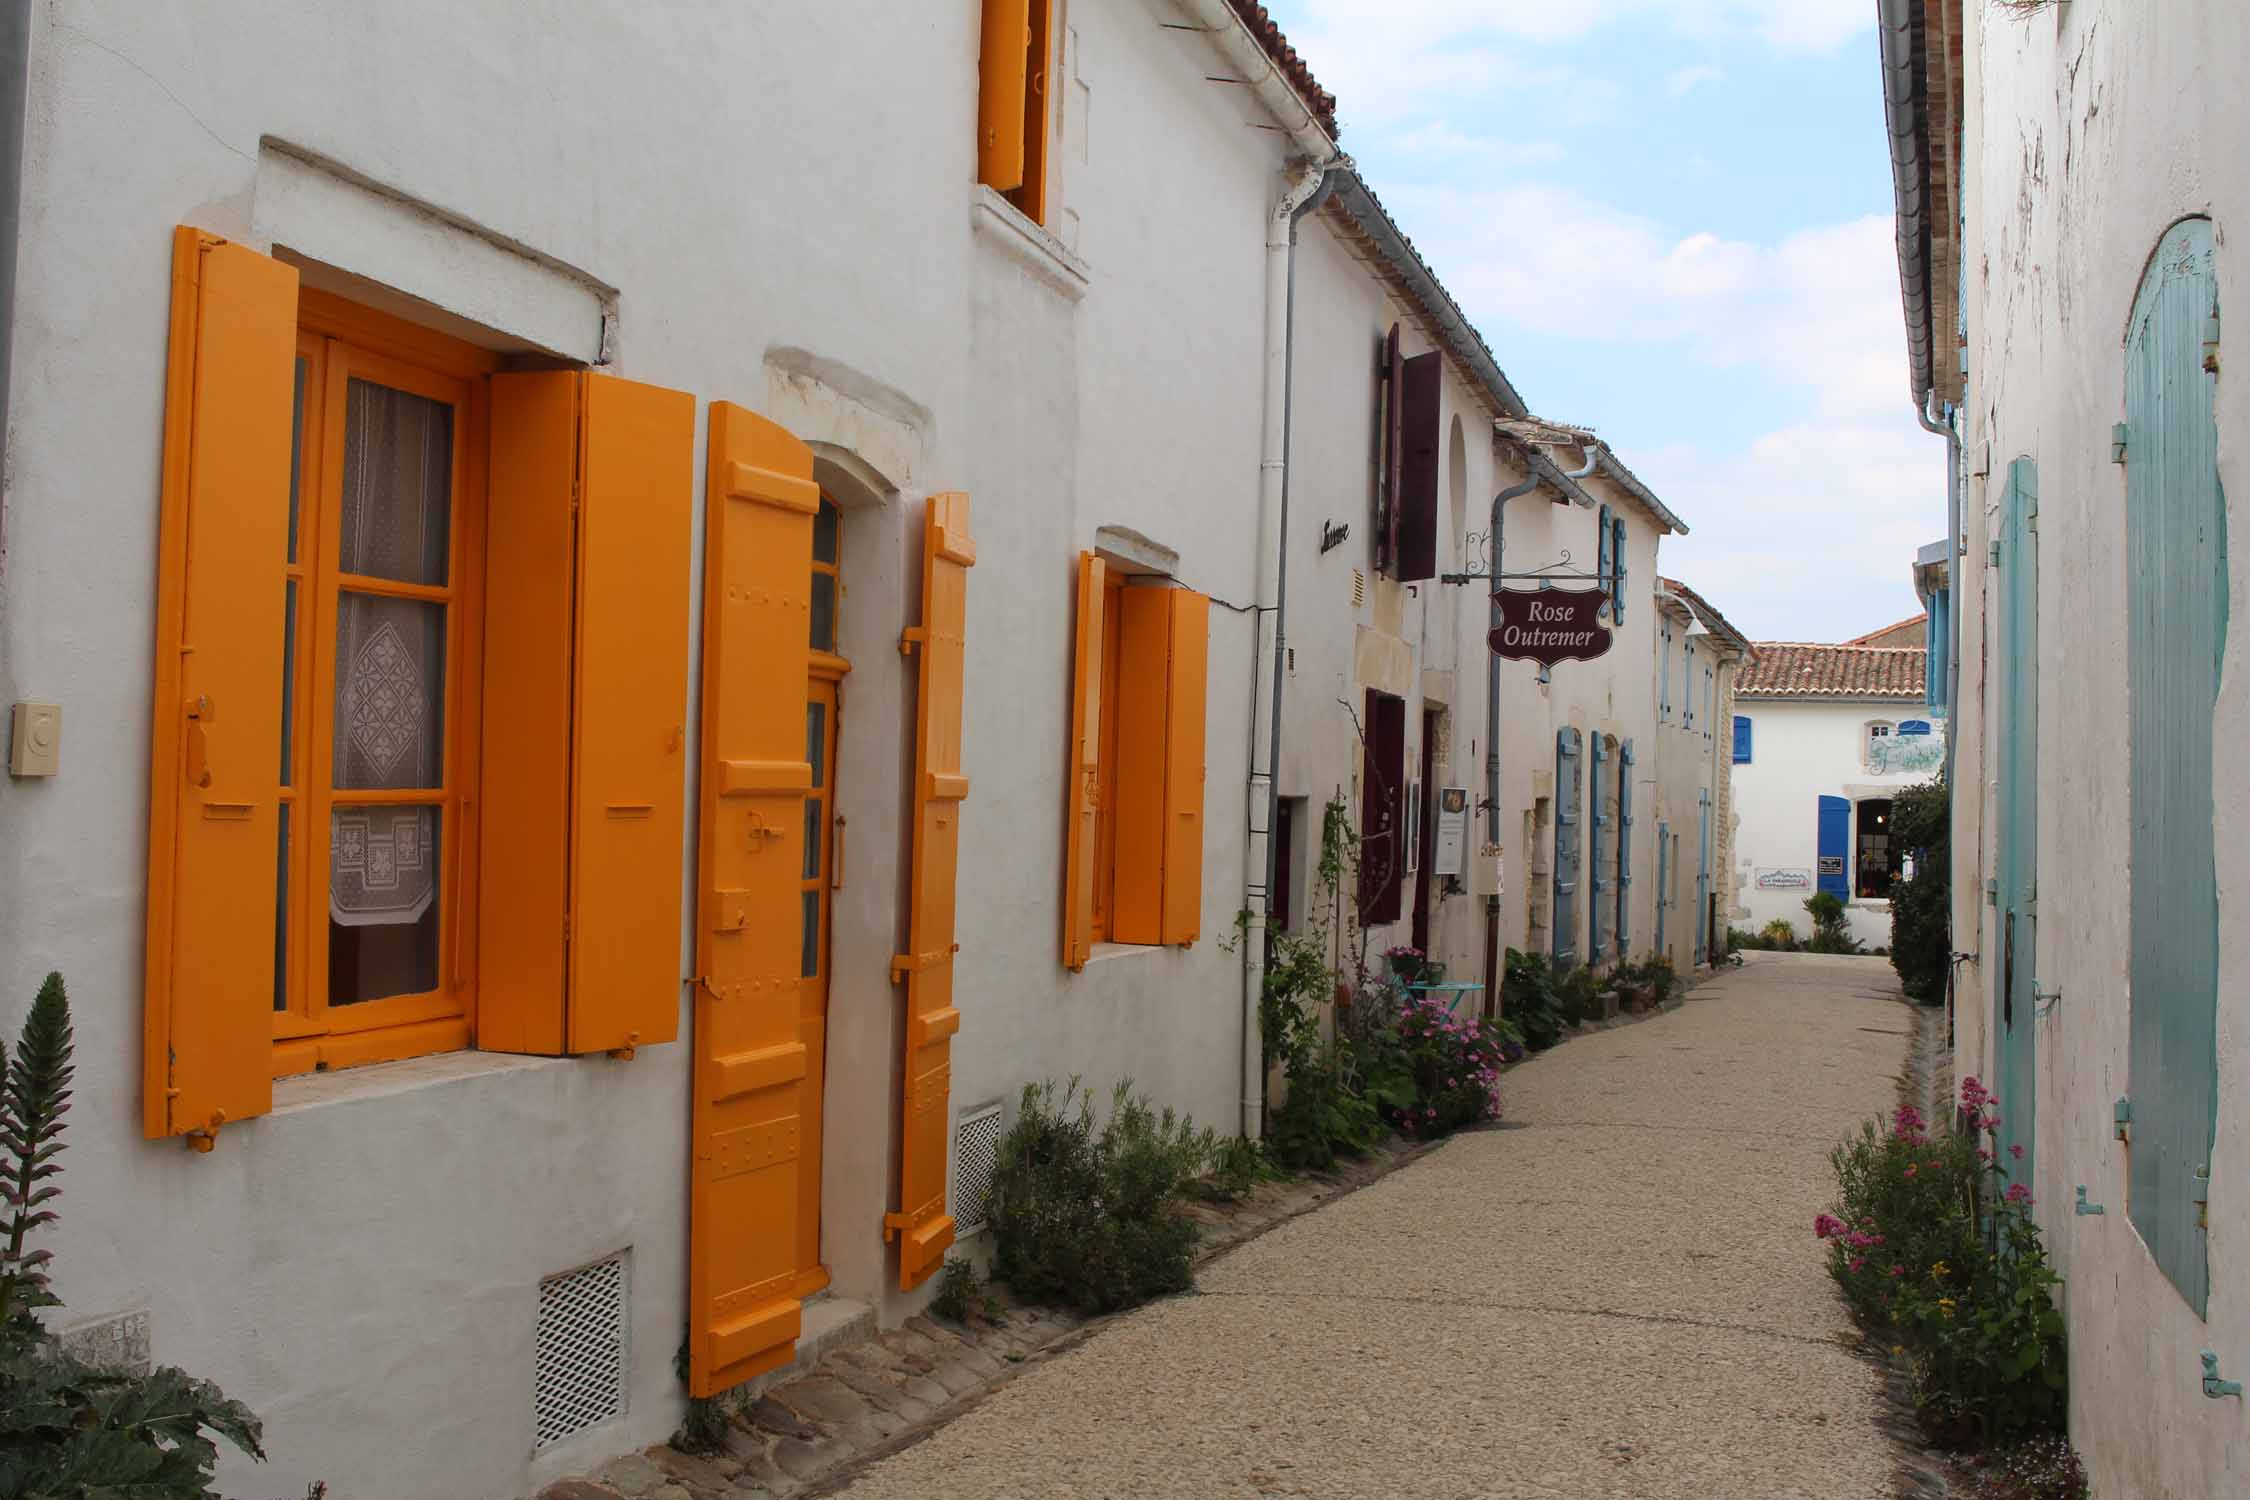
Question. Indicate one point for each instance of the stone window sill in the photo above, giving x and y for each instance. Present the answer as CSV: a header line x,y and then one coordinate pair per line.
x,y
1103,952
309,1091
1003,226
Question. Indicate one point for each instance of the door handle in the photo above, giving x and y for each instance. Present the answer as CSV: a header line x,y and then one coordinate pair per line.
x,y
199,713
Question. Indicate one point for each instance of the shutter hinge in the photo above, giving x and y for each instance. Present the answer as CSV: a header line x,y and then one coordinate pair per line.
x,y
2121,1116
2211,343
1992,554
2117,443
2200,1187
909,638
1992,893
2213,1386
566,926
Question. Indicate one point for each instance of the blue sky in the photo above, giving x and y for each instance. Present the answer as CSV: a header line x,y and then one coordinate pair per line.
x,y
1671,220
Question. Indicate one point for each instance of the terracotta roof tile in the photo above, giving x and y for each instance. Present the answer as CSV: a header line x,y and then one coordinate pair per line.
x,y
1713,621
1905,632
1294,68
1798,669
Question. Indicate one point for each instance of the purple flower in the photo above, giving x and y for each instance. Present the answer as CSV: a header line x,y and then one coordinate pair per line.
x,y
1827,1226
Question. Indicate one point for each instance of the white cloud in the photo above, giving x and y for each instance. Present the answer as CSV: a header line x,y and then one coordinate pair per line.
x,y
1438,142
1687,78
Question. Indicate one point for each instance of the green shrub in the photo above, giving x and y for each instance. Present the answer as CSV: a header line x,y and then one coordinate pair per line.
x,y
1574,995
1932,1256
1922,908
68,1430
1085,1218
1322,1115
1832,931
2040,1468
960,1294
1529,999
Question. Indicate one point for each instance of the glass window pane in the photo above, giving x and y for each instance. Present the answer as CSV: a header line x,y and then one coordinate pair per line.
x,y
810,963
816,742
382,902
288,681
281,916
398,484
824,532
824,611
390,691
296,455
812,838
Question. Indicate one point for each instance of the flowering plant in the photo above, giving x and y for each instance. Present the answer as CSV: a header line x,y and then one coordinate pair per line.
x,y
1933,1254
1455,1066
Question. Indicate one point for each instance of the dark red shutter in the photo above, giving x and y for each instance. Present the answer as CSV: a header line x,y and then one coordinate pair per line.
x,y
1382,801
1417,505
1386,490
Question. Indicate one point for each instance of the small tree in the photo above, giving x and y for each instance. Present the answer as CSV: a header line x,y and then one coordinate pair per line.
x,y
1831,929
68,1430
1922,908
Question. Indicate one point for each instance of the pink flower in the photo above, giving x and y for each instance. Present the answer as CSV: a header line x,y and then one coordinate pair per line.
x,y
1898,1270
1973,1094
2016,1152
1857,1262
2018,1193
1910,1169
1827,1226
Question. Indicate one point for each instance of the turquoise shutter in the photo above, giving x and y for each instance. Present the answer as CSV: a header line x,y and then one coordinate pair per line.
x,y
1835,844
1664,698
1703,874
1601,558
1625,850
2176,592
1565,935
1617,568
1663,878
1742,739
1597,825
1710,702
1687,684
2018,853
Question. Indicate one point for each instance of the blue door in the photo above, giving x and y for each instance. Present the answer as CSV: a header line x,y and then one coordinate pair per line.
x,y
2014,990
1567,792
1835,867
2176,593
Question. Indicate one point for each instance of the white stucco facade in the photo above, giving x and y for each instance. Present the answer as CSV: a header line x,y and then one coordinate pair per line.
x,y
2085,133
1800,751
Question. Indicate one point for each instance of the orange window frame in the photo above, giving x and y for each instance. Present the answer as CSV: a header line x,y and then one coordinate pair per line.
x,y
826,670
338,341
1105,779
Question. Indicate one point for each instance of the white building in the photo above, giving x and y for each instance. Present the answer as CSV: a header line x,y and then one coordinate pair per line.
x,y
2073,200
1822,739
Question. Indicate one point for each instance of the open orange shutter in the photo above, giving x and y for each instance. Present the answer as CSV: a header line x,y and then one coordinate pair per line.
x,y
630,742
922,1226
214,823
1184,683
757,583
1085,766
1002,90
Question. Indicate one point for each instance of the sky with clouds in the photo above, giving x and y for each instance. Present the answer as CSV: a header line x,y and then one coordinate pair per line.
x,y
1671,219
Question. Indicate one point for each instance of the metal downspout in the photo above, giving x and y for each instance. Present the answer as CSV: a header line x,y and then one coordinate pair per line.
x,y
1952,438
1304,184
15,92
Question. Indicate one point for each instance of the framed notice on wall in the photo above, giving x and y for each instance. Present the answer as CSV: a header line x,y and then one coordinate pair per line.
x,y
1452,857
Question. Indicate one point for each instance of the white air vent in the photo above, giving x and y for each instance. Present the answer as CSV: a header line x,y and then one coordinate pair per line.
x,y
976,1154
580,1378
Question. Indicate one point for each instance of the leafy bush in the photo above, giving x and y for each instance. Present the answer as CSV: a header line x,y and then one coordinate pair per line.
x,y
960,1294
1910,1250
68,1430
2040,1468
1323,1115
1654,977
1084,1218
1922,908
1454,1065
1528,998
1574,995
1832,931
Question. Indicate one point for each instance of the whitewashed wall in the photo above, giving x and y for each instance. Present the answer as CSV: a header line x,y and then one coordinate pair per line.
x,y
776,204
1800,752
2092,127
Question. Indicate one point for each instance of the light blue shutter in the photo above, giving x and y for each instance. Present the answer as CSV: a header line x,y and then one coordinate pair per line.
x,y
1710,703
1835,844
1663,872
2018,791
1742,739
1687,683
1703,874
1565,935
2176,592
1664,699
1625,850
1601,559
1617,568
1597,824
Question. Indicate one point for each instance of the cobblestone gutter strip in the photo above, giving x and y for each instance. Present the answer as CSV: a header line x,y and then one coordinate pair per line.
x,y
814,1434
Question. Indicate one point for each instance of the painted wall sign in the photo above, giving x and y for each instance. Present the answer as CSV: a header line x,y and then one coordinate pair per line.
x,y
1452,831
1799,879
1549,625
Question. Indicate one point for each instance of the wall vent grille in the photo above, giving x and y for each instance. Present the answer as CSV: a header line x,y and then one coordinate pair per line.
x,y
976,1156
580,1350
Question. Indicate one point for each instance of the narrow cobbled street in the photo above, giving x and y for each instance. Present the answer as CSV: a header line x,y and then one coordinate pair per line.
x,y
1616,1293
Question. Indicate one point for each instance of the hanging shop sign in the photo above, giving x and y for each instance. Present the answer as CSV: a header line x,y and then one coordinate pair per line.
x,y
1550,625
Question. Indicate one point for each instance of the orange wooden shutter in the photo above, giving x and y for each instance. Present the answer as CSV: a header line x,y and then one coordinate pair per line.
x,y
757,568
630,748
1189,616
1083,811
922,1226
523,890
1002,91
1136,902
214,801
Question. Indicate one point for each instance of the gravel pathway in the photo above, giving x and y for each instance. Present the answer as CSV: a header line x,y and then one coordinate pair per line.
x,y
1619,1295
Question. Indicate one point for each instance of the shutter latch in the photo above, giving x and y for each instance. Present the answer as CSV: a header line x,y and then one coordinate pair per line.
x,y
908,639
2082,1206
2121,1117
2213,1386
208,1136
2211,343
